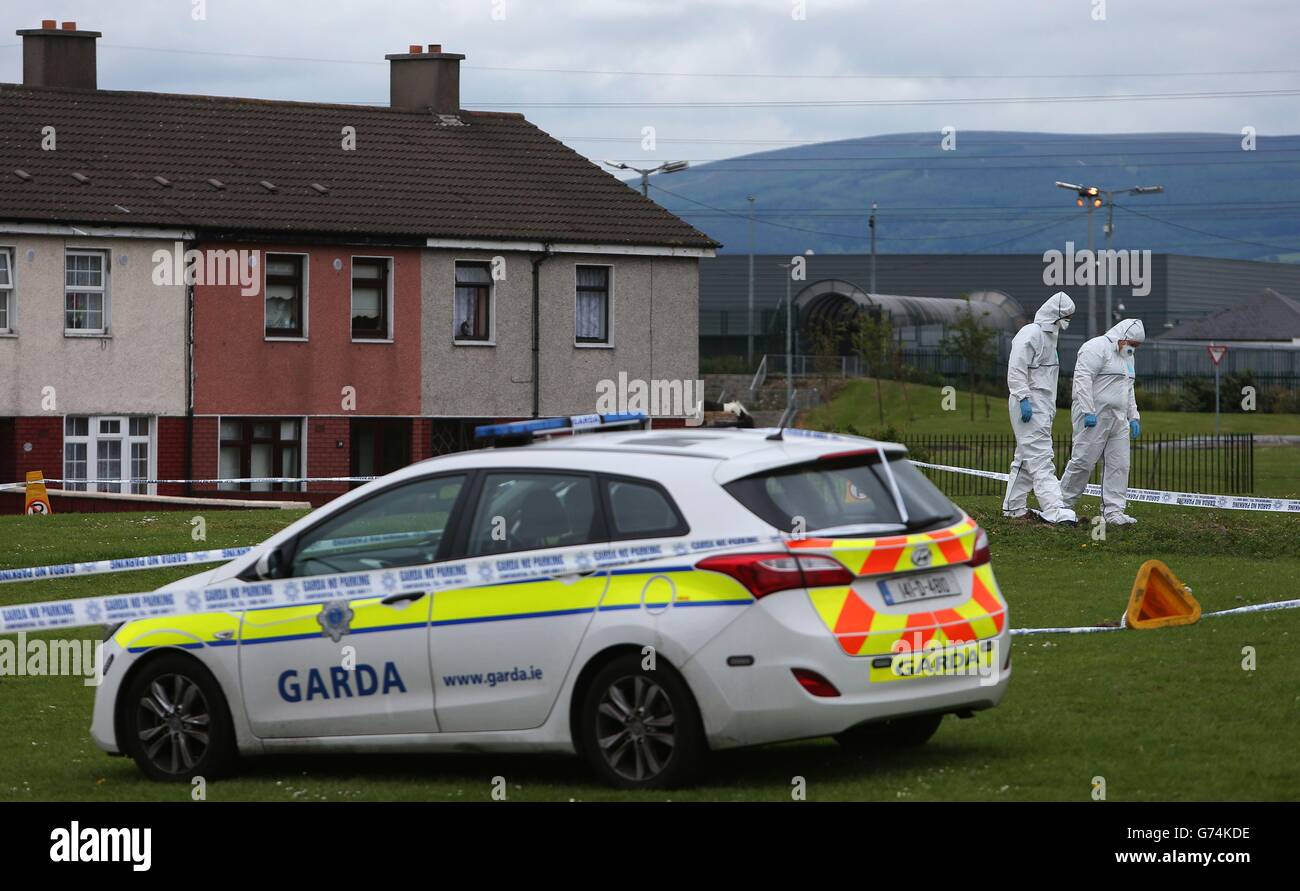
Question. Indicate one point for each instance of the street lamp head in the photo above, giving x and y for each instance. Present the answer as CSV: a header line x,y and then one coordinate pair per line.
x,y
674,166
617,165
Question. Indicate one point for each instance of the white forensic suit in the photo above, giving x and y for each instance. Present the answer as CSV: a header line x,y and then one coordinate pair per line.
x,y
1103,389
1032,371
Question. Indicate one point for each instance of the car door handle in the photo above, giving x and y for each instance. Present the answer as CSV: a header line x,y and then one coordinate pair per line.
x,y
404,597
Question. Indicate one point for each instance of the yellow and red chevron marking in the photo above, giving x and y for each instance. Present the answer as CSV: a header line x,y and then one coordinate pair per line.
x,y
896,553
865,631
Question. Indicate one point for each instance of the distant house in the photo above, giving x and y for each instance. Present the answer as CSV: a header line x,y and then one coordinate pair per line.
x,y
374,280
1267,319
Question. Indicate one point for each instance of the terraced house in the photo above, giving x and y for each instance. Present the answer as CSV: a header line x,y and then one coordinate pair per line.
x,y
194,287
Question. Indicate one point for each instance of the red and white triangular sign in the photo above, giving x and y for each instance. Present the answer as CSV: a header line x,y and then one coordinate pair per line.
x,y
1217,352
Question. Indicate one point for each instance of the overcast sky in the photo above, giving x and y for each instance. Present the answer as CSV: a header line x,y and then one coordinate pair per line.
x,y
332,50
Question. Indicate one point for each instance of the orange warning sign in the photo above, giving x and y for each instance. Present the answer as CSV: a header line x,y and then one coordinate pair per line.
x,y
38,501
1159,599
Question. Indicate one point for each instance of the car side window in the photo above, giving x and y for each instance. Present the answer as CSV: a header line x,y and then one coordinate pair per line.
x,y
403,526
526,511
640,509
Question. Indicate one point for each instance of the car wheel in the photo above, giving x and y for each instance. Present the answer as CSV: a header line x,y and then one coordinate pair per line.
x,y
175,722
640,729
900,733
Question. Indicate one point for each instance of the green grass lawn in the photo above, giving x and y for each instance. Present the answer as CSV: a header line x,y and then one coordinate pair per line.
x,y
855,404
1167,715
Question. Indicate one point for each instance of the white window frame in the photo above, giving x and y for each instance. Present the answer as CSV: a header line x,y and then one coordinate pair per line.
x,y
392,323
608,342
264,259
94,437
492,303
104,290
7,290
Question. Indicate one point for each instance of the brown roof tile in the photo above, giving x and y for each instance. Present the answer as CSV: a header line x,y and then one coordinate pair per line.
x,y
492,176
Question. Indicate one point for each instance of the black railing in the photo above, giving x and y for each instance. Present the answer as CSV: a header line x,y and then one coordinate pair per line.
x,y
1214,465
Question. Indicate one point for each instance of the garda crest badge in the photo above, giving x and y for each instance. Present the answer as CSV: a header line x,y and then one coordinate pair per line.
x,y
921,556
335,619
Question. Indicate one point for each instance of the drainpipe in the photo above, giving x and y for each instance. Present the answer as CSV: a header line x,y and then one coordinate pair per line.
x,y
537,340
189,381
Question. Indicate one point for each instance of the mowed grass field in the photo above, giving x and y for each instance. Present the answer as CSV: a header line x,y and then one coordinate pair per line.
x,y
1161,715
855,404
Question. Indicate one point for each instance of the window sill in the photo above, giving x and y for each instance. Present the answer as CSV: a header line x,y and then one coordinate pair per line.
x,y
583,345
97,335
9,334
372,340
474,343
285,339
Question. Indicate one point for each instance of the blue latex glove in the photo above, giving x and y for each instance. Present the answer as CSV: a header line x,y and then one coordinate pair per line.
x,y
1026,411
1090,420
1134,429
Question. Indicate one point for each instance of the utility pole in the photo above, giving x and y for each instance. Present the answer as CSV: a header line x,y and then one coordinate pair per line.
x,y
871,224
1092,280
789,338
749,320
1110,230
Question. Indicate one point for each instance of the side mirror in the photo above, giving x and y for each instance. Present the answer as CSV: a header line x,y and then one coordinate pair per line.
x,y
271,564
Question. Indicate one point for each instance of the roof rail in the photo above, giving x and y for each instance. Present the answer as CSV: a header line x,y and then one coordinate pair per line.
x,y
522,432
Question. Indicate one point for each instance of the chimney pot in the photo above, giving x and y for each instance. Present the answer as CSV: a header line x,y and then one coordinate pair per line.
x,y
59,57
425,81
415,48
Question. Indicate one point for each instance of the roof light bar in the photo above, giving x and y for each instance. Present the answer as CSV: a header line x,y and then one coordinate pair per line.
x,y
526,431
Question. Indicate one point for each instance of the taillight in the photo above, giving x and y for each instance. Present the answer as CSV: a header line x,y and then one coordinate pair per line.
x,y
814,683
980,555
765,574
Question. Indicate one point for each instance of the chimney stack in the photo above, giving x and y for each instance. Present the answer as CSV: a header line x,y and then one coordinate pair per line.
x,y
56,56
425,80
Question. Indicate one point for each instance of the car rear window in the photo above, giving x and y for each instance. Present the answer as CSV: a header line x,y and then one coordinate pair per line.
x,y
842,493
642,510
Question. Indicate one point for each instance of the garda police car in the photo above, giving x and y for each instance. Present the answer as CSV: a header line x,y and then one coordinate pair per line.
x,y
805,585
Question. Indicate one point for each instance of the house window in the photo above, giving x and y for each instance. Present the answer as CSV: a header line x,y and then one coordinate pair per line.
x,y
260,447
593,304
6,291
114,451
473,321
285,290
370,298
85,292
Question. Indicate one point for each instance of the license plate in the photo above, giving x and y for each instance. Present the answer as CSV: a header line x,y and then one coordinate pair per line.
x,y
919,587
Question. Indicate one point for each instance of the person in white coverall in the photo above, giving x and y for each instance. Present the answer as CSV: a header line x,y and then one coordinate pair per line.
x,y
1031,377
1105,418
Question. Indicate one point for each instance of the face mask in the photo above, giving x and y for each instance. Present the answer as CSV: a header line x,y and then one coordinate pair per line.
x,y
1127,352
1065,323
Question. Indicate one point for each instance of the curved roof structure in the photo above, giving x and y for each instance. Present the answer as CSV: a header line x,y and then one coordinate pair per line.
x,y
842,300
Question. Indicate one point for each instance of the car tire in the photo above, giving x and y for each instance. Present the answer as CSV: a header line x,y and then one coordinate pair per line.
x,y
899,733
640,728
175,722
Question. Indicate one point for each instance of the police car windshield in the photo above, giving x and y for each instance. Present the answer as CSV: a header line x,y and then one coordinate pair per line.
x,y
846,497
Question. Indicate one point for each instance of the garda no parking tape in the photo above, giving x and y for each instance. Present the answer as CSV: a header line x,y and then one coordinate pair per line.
x,y
122,564
1157,496
424,578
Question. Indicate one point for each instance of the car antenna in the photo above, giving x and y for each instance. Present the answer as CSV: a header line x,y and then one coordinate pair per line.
x,y
786,418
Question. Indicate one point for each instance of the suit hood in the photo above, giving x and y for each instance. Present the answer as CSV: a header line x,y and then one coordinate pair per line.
x,y
1128,329
1057,307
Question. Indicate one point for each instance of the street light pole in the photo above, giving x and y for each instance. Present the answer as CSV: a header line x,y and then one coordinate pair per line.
x,y
749,320
1110,230
871,223
1092,281
666,167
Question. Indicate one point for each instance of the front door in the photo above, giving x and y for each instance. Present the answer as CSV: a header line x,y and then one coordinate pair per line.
x,y
358,666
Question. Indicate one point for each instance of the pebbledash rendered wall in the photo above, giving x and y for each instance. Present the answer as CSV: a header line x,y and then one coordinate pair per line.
x,y
654,334
136,368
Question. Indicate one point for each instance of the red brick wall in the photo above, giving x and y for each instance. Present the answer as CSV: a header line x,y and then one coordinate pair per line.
x,y
45,433
205,451
324,455
421,439
171,449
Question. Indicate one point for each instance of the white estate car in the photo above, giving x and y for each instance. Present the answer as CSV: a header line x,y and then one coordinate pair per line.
x,y
873,617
